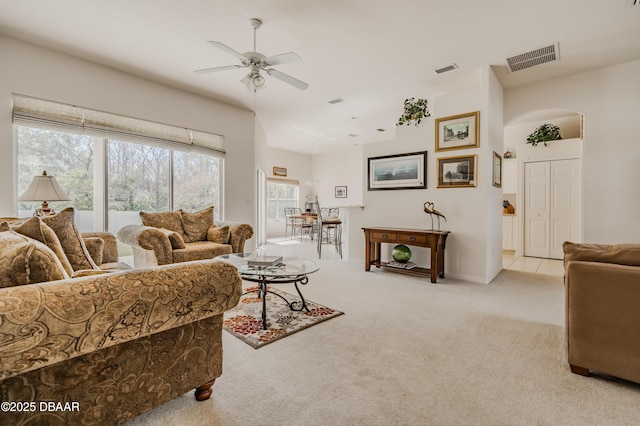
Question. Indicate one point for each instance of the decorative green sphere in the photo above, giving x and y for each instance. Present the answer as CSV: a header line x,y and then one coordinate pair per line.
x,y
401,253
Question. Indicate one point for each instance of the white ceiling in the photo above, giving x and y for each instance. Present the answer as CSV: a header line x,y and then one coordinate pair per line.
x,y
371,53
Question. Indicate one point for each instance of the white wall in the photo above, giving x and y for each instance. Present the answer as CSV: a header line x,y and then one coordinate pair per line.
x,y
610,101
473,252
341,168
42,73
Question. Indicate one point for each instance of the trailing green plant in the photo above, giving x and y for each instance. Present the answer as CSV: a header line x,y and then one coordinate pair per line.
x,y
414,111
544,133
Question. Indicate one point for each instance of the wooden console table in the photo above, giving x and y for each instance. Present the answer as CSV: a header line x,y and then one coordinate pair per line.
x,y
432,239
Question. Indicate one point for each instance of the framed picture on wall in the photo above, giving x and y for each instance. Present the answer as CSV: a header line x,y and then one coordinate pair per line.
x,y
401,171
341,192
497,170
280,171
457,172
460,131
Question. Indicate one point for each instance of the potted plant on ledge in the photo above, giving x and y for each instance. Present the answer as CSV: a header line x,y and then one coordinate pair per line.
x,y
414,111
544,133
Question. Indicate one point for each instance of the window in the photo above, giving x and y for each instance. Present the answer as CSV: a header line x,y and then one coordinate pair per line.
x,y
137,177
280,194
110,162
197,181
68,157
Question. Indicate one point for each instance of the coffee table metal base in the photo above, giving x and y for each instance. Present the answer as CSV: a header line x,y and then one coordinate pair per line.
x,y
263,288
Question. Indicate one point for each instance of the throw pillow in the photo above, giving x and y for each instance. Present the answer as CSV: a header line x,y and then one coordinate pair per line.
x,y
168,220
26,261
177,242
197,224
95,247
218,234
63,225
38,230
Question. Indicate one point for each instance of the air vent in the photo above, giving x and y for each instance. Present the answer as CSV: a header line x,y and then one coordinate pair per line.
x,y
447,68
336,101
535,57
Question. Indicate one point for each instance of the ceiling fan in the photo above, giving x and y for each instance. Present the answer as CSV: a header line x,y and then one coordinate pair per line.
x,y
256,62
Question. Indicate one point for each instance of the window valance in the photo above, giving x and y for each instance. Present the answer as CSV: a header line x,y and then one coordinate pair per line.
x,y
34,112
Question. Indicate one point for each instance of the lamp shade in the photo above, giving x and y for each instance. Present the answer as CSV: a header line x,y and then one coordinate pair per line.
x,y
44,188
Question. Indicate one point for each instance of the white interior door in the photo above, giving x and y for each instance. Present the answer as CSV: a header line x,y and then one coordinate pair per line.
x,y
552,207
565,202
536,215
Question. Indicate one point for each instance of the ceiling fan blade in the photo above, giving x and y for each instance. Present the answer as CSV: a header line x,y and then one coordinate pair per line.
x,y
288,79
228,50
283,58
216,69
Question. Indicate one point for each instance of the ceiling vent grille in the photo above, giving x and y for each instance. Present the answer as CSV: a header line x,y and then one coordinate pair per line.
x,y
535,57
447,68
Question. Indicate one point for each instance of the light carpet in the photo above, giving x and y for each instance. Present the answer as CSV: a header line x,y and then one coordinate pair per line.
x,y
413,353
245,320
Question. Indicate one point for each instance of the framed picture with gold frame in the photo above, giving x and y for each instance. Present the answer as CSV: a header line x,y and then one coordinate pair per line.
x,y
457,172
280,171
460,131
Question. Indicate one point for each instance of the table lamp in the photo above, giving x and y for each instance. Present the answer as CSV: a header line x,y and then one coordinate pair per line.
x,y
44,188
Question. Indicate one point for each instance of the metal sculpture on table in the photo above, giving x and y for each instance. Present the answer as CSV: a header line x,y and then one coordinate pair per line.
x,y
430,209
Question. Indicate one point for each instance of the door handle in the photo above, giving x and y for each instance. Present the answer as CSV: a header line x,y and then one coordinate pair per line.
x,y
385,236
412,238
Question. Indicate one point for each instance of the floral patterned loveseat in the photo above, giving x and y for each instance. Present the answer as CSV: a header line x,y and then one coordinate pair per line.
x,y
95,347
181,236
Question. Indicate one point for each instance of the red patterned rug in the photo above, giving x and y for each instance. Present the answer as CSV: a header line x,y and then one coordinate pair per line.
x,y
245,320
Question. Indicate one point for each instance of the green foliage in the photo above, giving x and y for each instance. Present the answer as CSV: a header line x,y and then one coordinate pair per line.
x,y
414,111
138,175
544,133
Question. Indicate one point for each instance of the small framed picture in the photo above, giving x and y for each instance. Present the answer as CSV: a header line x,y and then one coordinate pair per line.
x,y
341,192
457,172
497,170
280,171
458,131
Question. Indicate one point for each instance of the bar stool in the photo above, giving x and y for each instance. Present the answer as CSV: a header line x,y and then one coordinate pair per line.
x,y
329,229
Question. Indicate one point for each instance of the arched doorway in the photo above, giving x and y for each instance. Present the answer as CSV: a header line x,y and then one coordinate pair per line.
x,y
544,184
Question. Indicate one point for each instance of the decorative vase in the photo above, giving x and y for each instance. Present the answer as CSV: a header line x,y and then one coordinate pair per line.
x,y
401,253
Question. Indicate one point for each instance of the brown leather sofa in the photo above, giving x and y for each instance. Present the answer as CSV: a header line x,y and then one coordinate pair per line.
x,y
602,288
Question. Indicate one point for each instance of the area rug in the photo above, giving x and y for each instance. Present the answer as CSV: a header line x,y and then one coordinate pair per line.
x,y
245,320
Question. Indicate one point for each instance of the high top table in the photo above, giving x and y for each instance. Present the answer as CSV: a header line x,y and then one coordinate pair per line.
x,y
430,238
291,270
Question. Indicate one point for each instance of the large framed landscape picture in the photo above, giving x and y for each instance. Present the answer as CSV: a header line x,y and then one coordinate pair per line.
x,y
401,171
457,172
458,131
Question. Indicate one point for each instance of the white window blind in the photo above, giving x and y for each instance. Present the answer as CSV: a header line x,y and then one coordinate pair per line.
x,y
34,112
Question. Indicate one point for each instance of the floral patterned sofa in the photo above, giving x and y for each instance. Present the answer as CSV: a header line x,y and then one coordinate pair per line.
x,y
102,346
181,236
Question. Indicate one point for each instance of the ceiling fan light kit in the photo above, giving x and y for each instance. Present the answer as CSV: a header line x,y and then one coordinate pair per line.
x,y
258,62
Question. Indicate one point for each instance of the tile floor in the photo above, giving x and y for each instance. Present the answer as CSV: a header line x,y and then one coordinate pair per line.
x,y
532,264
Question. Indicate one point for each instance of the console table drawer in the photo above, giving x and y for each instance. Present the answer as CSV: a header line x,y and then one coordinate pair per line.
x,y
384,236
412,239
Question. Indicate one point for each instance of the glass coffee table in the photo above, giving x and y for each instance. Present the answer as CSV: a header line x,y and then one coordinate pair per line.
x,y
291,270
